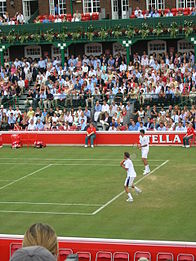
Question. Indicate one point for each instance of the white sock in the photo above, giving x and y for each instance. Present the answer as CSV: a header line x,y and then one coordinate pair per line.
x,y
148,168
129,195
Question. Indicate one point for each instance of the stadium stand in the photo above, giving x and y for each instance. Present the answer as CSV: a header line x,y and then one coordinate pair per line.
x,y
145,93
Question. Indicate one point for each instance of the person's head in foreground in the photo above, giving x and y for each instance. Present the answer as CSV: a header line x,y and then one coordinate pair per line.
x,y
32,253
41,235
126,155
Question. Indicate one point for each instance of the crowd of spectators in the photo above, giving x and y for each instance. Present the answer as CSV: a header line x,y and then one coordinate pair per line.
x,y
111,119
154,13
5,19
100,89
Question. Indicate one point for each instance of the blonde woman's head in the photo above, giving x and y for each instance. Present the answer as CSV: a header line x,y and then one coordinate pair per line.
x,y
41,235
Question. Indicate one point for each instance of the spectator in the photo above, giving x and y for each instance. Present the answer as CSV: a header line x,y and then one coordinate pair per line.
x,y
156,14
41,235
32,253
180,127
91,134
31,126
169,13
161,127
137,11
97,111
20,18
132,126
189,135
76,17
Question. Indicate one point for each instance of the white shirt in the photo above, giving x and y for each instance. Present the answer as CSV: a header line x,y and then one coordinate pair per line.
x,y
144,141
130,169
31,127
180,128
105,108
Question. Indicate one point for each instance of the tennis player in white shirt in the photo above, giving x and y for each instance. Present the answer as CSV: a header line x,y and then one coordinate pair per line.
x,y
144,146
127,165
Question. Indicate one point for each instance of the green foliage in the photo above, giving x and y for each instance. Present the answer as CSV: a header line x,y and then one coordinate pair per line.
x,y
23,38
130,32
76,35
103,34
11,37
144,31
188,28
36,37
158,29
173,30
62,36
49,36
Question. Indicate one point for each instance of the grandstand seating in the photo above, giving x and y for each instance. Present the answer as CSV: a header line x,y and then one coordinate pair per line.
x,y
185,257
165,257
103,256
14,247
140,254
104,250
174,11
67,17
64,252
121,256
84,256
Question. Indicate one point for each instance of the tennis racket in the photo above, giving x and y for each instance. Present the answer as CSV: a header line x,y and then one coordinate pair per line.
x,y
134,151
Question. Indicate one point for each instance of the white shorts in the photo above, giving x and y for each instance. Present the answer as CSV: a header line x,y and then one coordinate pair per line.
x,y
145,154
129,181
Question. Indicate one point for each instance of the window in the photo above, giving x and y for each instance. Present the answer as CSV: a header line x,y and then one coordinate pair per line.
x,y
33,52
185,3
157,47
3,7
185,46
119,48
61,7
29,8
91,6
125,5
57,52
93,49
51,6
156,4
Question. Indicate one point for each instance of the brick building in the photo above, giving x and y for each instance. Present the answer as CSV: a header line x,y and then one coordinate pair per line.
x,y
108,9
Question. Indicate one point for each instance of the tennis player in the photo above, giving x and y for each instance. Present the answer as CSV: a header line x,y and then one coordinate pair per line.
x,y
127,165
144,146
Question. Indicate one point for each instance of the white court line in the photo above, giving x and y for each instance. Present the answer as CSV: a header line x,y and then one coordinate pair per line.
x,y
67,164
48,213
19,163
6,180
49,203
48,159
114,198
24,177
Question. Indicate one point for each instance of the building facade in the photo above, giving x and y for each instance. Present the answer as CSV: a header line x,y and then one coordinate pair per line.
x,y
108,9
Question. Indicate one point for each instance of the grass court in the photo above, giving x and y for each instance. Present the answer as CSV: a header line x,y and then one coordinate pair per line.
x,y
80,192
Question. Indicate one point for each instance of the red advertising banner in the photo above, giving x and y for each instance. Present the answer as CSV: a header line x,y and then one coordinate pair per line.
x,y
102,138
128,249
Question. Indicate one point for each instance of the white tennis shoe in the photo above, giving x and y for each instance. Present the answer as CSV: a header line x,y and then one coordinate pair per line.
x,y
129,200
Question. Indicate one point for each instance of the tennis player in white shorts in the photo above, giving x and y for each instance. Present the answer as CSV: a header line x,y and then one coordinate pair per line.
x,y
144,146
127,165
